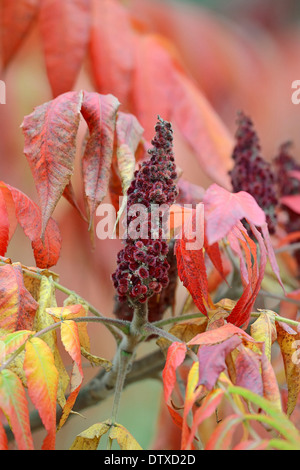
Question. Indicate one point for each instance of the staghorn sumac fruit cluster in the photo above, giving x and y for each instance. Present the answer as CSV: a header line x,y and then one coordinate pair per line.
x,y
251,173
142,266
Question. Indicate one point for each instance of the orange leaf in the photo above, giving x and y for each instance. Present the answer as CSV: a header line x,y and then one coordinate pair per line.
x,y
16,20
13,403
17,306
42,380
71,342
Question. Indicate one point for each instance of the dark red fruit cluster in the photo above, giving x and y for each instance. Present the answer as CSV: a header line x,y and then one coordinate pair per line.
x,y
251,173
142,269
159,303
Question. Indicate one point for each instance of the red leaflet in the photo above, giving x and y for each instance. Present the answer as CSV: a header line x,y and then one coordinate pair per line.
x,y
13,403
28,214
65,30
175,357
112,49
224,209
4,226
212,360
99,111
190,259
16,20
247,365
50,146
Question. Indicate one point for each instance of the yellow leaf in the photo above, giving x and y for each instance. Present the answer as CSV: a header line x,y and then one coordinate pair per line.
x,y
98,361
125,440
90,438
47,300
264,330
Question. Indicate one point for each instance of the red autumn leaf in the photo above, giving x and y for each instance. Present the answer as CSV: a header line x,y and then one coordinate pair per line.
x,y
248,375
212,360
218,335
175,357
4,226
16,20
224,209
190,259
99,111
112,50
14,406
3,438
17,306
241,312
28,214
65,31
50,146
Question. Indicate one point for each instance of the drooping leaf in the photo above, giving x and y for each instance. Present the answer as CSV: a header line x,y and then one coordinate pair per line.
x,y
46,300
14,405
288,340
128,135
71,342
4,226
218,335
248,375
17,306
175,357
123,437
16,21
99,111
42,380
90,438
50,144
270,385
192,393
212,360
264,330
112,50
65,30
46,252
224,209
